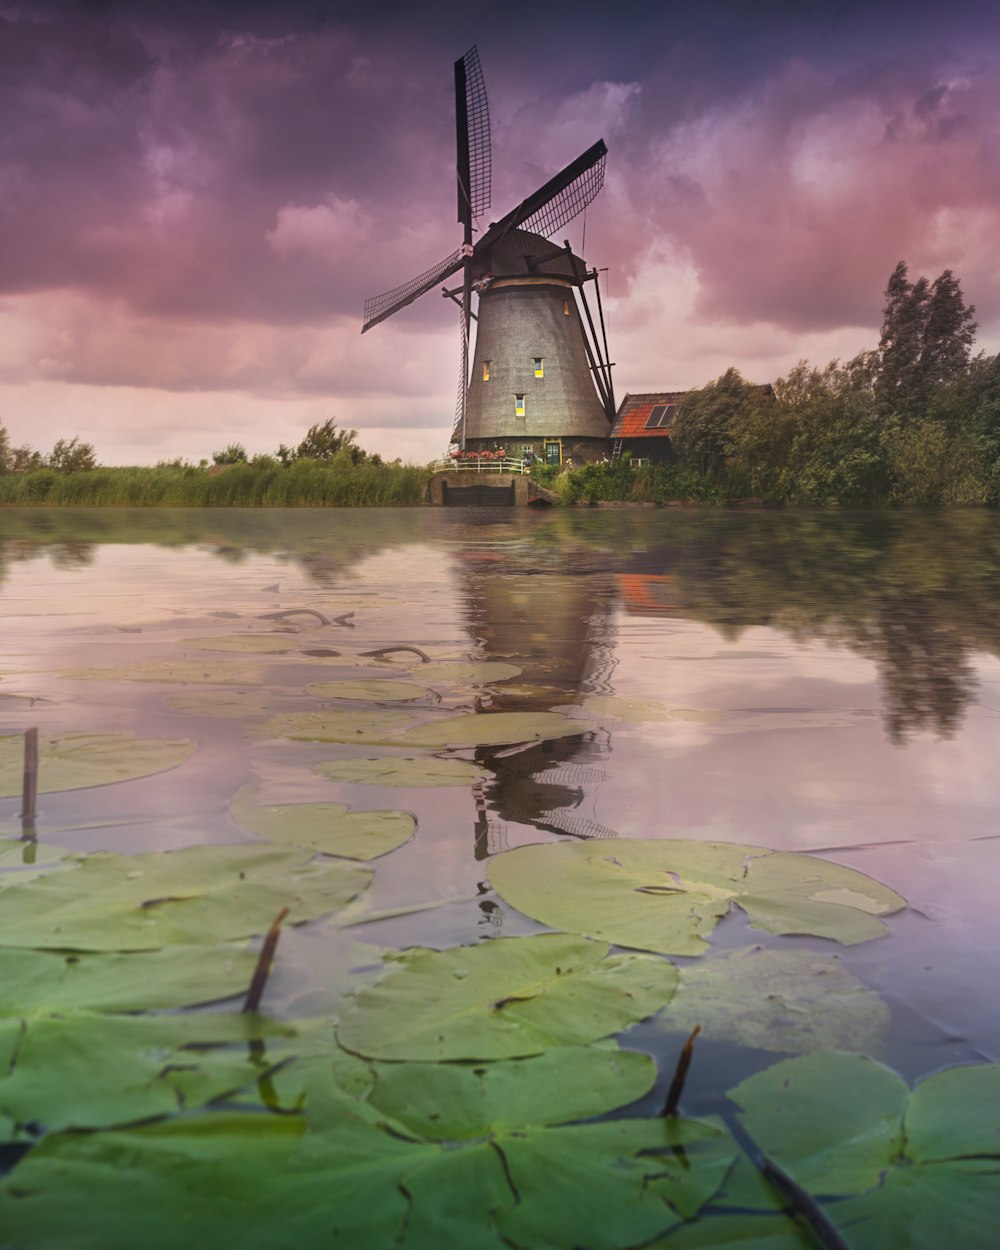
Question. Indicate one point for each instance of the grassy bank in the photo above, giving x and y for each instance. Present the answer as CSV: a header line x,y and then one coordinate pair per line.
x,y
305,483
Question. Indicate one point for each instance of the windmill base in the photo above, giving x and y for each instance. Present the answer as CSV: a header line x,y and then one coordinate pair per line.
x,y
499,490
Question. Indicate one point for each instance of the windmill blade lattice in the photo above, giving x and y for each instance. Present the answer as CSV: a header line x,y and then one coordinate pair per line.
x,y
568,203
477,116
381,306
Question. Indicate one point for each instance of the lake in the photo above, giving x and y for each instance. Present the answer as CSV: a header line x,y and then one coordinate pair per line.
x,y
817,682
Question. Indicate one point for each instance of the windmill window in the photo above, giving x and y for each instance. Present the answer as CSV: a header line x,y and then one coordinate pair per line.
x,y
565,307
660,416
539,367
486,370
518,405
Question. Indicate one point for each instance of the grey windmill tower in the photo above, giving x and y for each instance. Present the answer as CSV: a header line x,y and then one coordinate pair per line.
x,y
541,377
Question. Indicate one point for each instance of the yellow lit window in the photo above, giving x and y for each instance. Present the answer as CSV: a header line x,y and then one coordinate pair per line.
x,y
565,308
486,370
539,367
518,405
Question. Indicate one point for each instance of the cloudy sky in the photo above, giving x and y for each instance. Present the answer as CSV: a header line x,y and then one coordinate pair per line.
x,y
196,197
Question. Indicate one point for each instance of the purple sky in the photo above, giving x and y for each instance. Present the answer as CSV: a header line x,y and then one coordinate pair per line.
x,y
196,198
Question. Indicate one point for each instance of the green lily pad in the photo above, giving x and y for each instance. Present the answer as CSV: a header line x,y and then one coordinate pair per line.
x,y
493,729
746,1231
452,1101
76,761
262,644
328,827
405,772
192,896
353,1180
21,859
667,895
841,1125
503,999
39,980
632,711
793,1002
181,672
82,1070
468,672
222,703
834,1121
953,1115
372,727
373,690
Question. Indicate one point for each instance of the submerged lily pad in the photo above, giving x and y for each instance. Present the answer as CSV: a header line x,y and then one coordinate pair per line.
x,y
451,1101
222,703
403,771
40,980
667,895
328,827
181,672
503,999
468,672
372,727
373,690
790,1001
262,644
633,711
493,729
196,895
75,761
83,1070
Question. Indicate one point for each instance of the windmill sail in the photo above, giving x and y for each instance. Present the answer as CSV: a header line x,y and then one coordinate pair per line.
x,y
472,135
381,306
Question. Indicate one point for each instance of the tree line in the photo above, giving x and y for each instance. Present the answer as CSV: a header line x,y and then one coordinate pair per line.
x,y
915,420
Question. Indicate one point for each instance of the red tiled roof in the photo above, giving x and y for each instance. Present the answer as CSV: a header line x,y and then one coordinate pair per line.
x,y
635,411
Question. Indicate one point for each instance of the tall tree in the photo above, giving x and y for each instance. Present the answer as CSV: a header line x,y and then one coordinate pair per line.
x,y
927,336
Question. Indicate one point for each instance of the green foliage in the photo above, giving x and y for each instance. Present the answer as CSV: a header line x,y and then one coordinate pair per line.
x,y
235,453
706,419
325,442
263,483
72,456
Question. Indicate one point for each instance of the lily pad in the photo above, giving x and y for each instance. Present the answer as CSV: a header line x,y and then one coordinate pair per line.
x,y
328,827
221,703
75,761
452,1101
841,1126
468,672
373,690
192,896
793,1002
667,895
372,727
404,772
262,644
353,1180
746,1231
503,999
180,672
493,729
632,711
834,1120
34,980
83,1070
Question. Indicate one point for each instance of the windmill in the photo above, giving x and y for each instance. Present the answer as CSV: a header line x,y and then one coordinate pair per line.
x,y
541,379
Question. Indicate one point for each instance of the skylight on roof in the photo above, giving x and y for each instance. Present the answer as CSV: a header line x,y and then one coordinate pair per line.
x,y
660,416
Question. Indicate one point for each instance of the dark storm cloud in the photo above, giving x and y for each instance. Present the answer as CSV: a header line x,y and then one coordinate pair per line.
x,y
199,164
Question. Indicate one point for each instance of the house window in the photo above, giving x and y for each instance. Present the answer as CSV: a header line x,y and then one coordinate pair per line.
x,y
518,405
661,416
539,367
486,370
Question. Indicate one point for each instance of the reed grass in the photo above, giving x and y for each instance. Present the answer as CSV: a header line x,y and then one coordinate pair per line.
x,y
304,483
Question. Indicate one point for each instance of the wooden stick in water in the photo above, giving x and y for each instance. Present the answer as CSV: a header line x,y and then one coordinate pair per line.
x,y
29,790
260,974
680,1074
